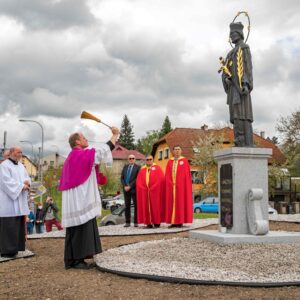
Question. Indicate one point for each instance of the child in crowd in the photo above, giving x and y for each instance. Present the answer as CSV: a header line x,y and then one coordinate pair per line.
x,y
30,222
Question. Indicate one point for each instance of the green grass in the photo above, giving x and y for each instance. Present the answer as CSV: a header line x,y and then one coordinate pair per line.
x,y
205,216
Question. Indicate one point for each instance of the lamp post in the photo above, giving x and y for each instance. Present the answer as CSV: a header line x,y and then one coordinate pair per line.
x,y
28,142
42,152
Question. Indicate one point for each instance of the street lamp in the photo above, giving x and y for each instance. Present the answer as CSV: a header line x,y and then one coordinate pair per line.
x,y
28,142
42,152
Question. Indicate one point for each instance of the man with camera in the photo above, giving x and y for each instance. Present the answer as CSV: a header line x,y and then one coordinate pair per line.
x,y
50,215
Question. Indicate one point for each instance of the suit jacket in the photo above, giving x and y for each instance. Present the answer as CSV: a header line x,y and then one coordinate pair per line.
x,y
133,176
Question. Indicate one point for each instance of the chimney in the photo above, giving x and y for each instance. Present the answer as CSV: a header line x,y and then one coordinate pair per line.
x,y
263,134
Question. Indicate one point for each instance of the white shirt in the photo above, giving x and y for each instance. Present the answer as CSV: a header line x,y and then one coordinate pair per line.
x,y
13,199
83,203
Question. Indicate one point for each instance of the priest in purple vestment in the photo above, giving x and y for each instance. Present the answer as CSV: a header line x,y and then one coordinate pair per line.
x,y
81,202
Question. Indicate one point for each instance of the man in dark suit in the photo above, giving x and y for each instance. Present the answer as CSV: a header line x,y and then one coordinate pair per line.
x,y
128,179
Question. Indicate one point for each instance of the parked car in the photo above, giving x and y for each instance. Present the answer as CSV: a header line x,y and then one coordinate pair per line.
x,y
116,217
113,201
272,211
112,205
208,205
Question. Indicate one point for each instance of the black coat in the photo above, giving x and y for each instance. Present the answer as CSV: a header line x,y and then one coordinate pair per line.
x,y
133,176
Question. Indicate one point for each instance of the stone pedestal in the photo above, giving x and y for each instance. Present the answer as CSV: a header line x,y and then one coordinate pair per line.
x,y
243,192
240,170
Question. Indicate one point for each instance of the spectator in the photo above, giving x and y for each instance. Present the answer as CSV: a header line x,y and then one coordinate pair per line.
x,y
39,219
30,222
128,180
50,215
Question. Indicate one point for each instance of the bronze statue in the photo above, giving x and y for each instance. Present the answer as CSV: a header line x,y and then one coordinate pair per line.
x,y
238,83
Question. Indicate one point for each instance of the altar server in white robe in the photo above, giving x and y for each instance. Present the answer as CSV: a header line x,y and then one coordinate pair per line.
x,y
14,188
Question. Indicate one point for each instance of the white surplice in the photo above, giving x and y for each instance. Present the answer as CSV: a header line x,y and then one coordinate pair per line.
x,y
83,203
13,199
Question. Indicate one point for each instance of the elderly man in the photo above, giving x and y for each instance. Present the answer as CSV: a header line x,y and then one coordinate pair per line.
x,y
14,187
150,194
128,180
81,202
179,199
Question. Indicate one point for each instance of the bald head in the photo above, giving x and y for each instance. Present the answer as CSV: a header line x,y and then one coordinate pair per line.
x,y
16,153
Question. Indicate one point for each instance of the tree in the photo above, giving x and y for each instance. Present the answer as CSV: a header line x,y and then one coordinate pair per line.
x,y
204,159
51,178
126,134
289,128
276,173
145,143
166,127
113,182
273,140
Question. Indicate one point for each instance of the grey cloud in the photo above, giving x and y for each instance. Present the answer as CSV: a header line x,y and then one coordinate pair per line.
x,y
158,65
269,66
50,15
43,102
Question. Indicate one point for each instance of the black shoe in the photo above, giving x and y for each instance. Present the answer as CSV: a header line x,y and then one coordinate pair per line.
x,y
179,225
10,255
156,225
172,226
136,225
149,226
127,225
81,265
92,265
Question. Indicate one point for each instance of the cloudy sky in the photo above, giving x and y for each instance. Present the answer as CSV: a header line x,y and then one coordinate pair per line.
x,y
146,59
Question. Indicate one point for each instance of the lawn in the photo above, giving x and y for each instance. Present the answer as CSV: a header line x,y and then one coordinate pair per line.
x,y
205,215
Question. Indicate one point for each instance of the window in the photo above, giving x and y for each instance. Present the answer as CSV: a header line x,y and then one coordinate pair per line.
x,y
160,154
166,153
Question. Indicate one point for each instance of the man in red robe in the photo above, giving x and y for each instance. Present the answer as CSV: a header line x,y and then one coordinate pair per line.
x,y
179,199
150,194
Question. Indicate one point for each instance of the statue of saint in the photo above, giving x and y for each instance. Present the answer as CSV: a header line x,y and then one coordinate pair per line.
x,y
238,83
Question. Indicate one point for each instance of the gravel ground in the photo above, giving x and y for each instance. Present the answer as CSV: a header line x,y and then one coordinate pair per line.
x,y
202,260
43,277
120,230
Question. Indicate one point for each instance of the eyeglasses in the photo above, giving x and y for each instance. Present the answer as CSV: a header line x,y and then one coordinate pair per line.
x,y
148,159
131,158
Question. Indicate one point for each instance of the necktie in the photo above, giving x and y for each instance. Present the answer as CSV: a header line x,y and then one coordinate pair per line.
x,y
128,174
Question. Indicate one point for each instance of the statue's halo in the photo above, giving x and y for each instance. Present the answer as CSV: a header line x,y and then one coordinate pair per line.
x,y
248,27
